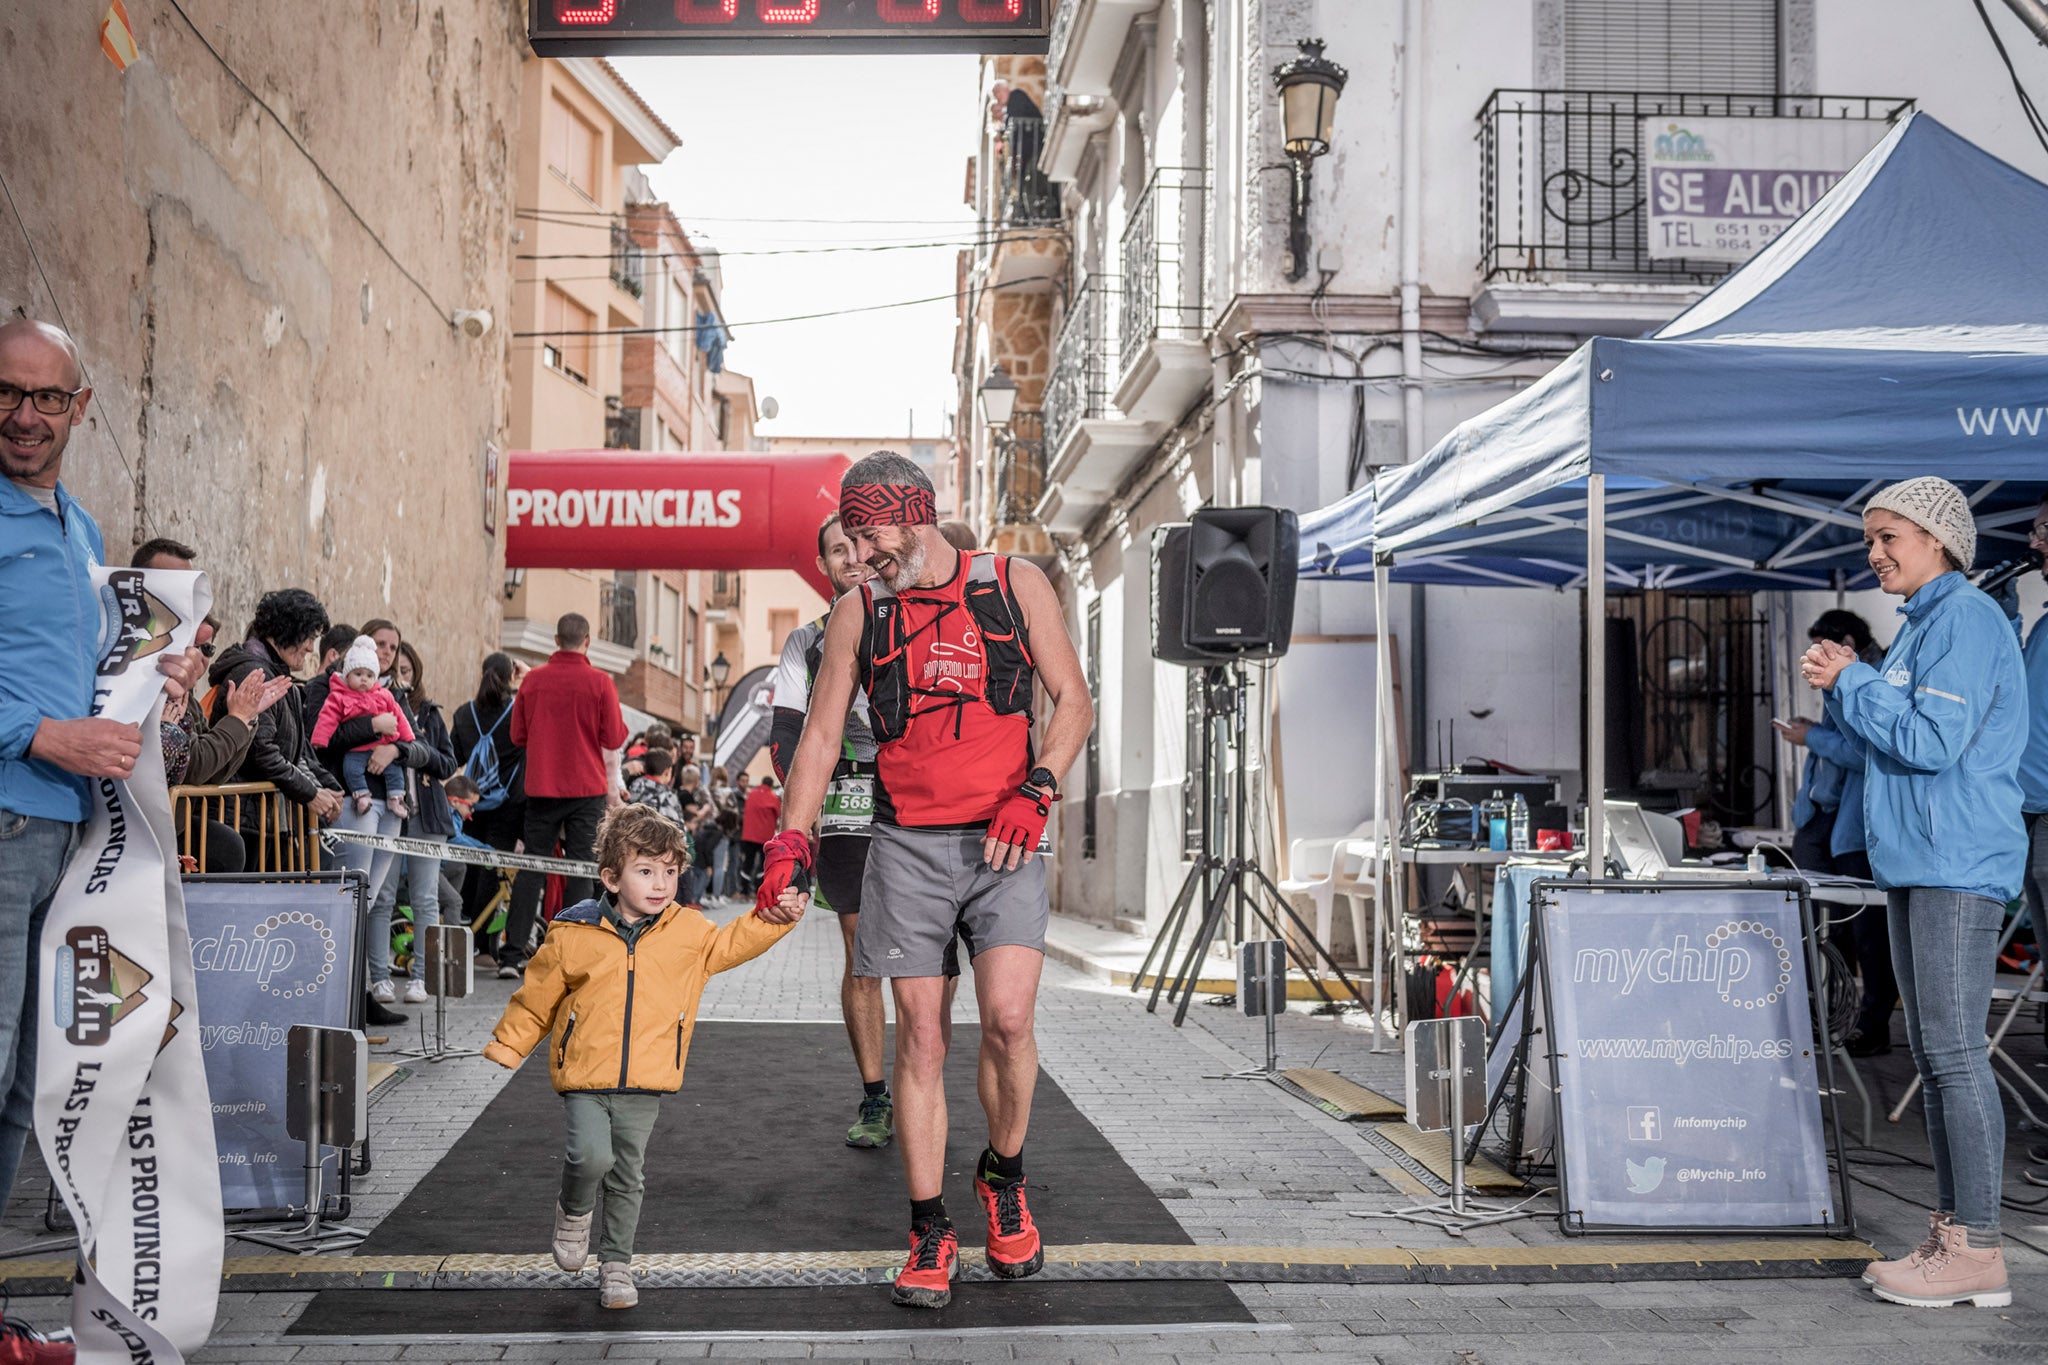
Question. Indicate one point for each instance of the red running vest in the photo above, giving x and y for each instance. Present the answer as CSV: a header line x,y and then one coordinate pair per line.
x,y
948,674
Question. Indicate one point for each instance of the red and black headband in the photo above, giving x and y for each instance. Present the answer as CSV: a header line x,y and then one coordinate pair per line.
x,y
885,504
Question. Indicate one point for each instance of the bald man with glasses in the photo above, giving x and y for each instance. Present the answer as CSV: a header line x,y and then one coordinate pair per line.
x,y
52,748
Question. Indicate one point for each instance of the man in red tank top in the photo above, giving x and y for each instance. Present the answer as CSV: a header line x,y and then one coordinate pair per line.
x,y
950,649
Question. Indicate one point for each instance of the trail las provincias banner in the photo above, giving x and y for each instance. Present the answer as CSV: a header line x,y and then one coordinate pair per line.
x,y
122,1113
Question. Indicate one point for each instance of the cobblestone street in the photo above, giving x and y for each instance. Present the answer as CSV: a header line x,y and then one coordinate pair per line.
x,y
1236,1162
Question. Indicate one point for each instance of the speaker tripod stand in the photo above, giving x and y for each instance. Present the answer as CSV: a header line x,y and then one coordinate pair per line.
x,y
1227,886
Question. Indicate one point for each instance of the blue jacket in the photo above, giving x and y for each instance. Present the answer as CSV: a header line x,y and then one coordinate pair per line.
x,y
1945,724
49,643
2034,763
1833,780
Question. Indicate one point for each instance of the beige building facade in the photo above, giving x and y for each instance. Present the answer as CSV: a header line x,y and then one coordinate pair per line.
x,y
623,349
263,283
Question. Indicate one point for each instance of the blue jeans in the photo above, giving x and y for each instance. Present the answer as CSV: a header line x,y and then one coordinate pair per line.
x,y
422,885
33,852
374,864
1944,951
722,860
357,777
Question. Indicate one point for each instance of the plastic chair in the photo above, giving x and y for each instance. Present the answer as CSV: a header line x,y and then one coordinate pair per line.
x,y
1325,869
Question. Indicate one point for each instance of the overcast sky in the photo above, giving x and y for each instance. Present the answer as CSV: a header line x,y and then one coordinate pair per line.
x,y
767,141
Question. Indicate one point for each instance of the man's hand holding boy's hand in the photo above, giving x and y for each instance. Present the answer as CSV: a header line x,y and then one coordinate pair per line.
x,y
788,908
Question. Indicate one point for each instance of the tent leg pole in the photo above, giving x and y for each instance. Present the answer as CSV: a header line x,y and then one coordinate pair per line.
x,y
1385,775
1596,671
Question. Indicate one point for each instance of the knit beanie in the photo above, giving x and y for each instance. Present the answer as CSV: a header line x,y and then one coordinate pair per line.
x,y
1937,507
361,654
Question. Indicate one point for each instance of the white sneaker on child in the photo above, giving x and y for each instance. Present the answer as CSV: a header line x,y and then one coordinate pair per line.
x,y
572,1238
615,1285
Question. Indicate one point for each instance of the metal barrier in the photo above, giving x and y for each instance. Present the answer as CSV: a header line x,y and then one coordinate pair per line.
x,y
278,835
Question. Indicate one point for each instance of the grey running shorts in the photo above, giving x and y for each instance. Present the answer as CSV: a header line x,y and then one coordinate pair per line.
x,y
922,884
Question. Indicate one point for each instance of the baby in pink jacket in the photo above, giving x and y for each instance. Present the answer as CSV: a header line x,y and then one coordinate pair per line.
x,y
358,693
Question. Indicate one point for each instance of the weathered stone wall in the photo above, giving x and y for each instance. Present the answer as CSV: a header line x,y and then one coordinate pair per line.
x,y
270,386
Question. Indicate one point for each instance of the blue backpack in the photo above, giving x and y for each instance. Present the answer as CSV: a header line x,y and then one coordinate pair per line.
x,y
493,782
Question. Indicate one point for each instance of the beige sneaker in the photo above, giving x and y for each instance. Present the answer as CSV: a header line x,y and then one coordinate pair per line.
x,y
617,1290
572,1238
1919,1253
1949,1274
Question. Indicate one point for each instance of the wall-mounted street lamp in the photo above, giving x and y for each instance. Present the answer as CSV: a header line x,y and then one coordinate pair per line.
x,y
1309,87
513,578
998,397
718,670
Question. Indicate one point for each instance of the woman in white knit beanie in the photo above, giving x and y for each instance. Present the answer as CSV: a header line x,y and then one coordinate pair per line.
x,y
1944,724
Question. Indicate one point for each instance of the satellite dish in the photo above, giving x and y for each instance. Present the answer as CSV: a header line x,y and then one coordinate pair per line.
x,y
769,407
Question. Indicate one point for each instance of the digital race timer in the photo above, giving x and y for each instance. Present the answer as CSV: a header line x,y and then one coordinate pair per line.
x,y
568,28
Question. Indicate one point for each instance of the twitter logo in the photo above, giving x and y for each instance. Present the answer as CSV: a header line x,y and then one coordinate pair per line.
x,y
1645,1176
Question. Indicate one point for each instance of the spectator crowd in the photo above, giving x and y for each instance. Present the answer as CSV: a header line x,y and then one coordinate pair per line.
x,y
294,724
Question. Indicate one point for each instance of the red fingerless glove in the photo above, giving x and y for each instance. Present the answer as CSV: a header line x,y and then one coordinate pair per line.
x,y
1021,821
785,862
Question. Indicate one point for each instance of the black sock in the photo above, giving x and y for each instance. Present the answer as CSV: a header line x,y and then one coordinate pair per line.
x,y
931,1210
874,1088
995,1168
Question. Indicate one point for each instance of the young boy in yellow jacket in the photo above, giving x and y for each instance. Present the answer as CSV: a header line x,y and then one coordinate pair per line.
x,y
616,986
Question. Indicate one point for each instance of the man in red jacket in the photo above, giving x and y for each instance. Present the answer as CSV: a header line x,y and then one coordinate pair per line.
x,y
757,827
566,717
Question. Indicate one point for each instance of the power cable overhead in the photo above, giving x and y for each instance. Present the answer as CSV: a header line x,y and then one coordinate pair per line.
x,y
444,314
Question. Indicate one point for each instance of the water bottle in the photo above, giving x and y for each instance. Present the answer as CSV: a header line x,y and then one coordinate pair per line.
x,y
1518,828
1497,823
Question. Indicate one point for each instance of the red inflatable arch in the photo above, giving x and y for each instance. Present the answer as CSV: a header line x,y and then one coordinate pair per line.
x,y
629,509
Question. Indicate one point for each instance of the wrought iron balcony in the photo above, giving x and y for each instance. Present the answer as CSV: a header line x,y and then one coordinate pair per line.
x,y
629,261
1162,262
1561,182
618,612
1020,469
1025,198
1082,363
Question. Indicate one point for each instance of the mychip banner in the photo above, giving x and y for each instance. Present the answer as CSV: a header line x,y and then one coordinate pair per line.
x,y
1687,1091
268,954
121,1104
1721,188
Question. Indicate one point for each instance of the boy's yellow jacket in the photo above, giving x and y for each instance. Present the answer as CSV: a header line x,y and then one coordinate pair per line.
x,y
620,1017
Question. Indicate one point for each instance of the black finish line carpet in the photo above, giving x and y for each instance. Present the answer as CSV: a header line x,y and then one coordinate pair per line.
x,y
751,1157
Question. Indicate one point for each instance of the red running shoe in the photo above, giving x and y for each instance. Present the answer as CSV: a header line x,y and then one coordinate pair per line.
x,y
1013,1248
927,1278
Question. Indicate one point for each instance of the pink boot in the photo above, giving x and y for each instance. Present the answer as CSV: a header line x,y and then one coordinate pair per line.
x,y
1952,1272
1920,1253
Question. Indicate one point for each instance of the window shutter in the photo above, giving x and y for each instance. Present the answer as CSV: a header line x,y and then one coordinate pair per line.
x,y
1703,46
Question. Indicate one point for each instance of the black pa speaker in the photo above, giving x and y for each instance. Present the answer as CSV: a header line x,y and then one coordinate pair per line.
x,y
1170,601
1241,565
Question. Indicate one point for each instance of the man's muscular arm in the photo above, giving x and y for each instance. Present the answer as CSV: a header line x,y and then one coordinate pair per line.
x,y
1058,667
817,753
1013,835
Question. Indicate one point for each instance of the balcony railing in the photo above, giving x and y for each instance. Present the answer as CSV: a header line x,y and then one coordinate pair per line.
x,y
725,590
1025,197
618,613
629,261
1020,469
1561,183
1082,361
1162,261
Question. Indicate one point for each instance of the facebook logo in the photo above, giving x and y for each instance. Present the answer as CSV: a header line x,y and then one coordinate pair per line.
x,y
1645,1125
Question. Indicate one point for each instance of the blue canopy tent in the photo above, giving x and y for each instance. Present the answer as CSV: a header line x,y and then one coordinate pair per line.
x,y
1898,328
